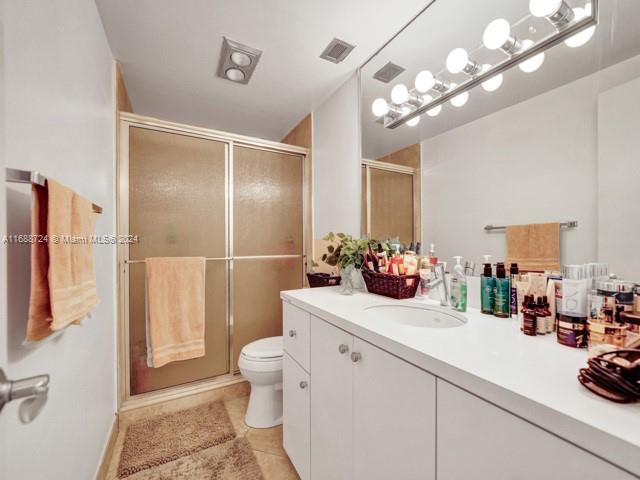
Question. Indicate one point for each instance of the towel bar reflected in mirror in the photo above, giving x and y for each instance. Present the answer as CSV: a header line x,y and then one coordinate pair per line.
x,y
569,224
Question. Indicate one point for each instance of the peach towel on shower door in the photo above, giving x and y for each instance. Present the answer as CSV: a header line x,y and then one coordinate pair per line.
x,y
63,280
534,247
175,296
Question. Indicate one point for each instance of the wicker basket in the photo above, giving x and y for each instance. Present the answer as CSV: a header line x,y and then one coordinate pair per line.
x,y
394,286
322,280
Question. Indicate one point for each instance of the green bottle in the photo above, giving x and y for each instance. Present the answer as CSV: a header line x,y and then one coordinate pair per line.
x,y
502,299
487,284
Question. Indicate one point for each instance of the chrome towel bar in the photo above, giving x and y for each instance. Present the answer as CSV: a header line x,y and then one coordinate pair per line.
x,y
569,224
15,175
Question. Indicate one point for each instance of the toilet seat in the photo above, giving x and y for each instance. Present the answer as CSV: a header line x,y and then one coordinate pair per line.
x,y
263,350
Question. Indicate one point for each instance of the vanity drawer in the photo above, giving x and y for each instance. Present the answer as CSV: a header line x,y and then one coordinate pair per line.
x,y
295,331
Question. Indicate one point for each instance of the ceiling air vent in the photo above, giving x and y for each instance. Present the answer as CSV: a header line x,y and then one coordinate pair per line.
x,y
337,50
388,72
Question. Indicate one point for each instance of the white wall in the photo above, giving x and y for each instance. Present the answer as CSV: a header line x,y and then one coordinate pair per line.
x,y
4,434
336,162
619,179
59,119
532,162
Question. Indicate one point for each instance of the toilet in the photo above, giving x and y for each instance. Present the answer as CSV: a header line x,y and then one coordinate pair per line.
x,y
261,364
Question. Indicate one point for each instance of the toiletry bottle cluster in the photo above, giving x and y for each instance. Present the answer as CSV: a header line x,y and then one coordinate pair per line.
x,y
458,281
400,262
496,295
581,304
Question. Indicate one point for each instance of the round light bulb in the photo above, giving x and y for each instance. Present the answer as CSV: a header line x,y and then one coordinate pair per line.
x,y
435,110
241,59
414,121
585,35
459,100
380,107
496,34
234,74
425,81
457,60
534,63
544,8
399,94
493,83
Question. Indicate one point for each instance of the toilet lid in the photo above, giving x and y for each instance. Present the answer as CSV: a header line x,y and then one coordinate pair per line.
x,y
264,349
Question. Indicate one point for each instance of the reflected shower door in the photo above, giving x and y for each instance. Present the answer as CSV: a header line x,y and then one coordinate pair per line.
x,y
177,207
391,209
268,210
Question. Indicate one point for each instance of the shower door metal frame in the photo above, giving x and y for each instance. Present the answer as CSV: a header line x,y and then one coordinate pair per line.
x,y
417,198
127,401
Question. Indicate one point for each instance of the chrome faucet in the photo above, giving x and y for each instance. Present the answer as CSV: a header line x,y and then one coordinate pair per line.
x,y
440,282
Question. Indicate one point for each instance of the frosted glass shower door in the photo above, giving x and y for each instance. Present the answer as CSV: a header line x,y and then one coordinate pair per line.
x,y
391,205
268,209
177,207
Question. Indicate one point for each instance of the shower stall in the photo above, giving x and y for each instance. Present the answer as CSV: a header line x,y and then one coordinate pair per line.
x,y
244,205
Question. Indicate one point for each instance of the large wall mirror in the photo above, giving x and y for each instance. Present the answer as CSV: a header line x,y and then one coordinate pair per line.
x,y
546,138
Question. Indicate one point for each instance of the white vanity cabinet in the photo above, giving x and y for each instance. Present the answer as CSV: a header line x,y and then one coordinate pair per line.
x,y
372,414
296,386
377,405
479,440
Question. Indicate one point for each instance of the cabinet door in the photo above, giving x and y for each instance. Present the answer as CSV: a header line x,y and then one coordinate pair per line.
x,y
394,417
479,440
331,402
296,421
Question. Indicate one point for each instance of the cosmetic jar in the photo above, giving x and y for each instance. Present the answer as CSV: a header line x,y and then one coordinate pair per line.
x,y
632,320
572,331
600,333
607,291
624,294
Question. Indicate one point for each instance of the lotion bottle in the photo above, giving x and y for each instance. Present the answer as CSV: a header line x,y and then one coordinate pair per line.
x,y
487,283
458,287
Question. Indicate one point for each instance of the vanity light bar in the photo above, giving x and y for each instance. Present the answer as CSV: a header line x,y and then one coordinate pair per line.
x,y
501,67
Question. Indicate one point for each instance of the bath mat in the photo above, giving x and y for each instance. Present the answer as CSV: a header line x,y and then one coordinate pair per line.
x,y
162,439
233,460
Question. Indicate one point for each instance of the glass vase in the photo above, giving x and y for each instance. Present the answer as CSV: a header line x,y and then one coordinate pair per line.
x,y
346,280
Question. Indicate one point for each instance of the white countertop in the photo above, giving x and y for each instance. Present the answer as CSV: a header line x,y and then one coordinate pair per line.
x,y
532,377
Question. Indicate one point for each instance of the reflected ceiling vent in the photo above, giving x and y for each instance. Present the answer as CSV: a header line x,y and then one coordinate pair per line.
x,y
237,61
337,50
388,72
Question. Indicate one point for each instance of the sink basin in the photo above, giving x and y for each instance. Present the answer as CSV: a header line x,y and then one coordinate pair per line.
x,y
415,316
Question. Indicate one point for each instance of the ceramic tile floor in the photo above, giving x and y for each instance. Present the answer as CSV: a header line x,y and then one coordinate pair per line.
x,y
266,443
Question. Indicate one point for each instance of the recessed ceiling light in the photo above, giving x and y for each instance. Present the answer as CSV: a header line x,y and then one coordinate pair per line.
x,y
237,61
241,59
234,74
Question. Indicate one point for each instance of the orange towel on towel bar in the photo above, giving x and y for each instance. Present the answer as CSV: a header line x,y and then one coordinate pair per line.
x,y
63,280
175,296
534,247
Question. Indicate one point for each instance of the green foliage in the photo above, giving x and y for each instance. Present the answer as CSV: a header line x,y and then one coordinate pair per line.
x,y
349,251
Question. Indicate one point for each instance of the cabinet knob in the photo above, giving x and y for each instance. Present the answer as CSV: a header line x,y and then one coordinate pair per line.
x,y
355,356
343,348
292,333
303,384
